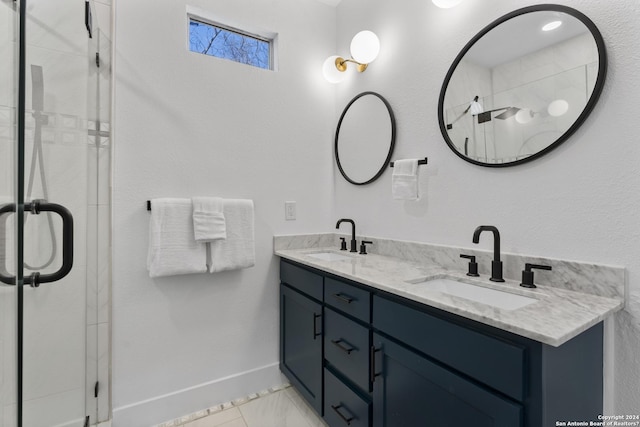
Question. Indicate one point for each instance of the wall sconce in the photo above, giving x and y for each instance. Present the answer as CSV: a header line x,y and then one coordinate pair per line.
x,y
364,48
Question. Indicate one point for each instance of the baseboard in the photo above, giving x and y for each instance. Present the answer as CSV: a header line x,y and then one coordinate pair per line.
x,y
201,396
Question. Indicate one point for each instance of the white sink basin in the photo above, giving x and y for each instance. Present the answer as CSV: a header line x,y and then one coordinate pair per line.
x,y
488,296
329,256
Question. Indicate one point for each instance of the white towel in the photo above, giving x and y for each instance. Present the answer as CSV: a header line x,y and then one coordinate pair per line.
x,y
404,181
238,250
208,219
172,248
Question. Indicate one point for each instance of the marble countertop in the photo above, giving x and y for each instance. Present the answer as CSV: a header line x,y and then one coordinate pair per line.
x,y
557,316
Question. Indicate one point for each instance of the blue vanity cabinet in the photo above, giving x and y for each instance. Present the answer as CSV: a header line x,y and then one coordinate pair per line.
x,y
412,390
301,332
364,357
454,369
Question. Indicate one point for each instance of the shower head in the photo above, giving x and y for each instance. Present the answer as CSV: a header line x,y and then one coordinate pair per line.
x,y
509,112
37,88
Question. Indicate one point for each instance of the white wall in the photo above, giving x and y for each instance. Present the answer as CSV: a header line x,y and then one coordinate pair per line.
x,y
579,202
188,124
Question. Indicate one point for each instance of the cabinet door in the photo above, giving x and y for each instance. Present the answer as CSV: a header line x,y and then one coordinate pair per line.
x,y
411,390
301,344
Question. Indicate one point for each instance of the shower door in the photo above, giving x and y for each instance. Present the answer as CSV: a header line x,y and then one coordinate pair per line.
x,y
8,293
50,225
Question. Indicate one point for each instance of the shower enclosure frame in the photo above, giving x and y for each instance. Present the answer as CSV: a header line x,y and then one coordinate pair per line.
x,y
19,207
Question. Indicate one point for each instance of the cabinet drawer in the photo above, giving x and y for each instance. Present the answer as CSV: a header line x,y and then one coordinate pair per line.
x,y
343,407
495,362
346,347
301,279
347,298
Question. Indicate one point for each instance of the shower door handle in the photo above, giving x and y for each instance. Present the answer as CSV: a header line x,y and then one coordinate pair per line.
x,y
4,276
37,206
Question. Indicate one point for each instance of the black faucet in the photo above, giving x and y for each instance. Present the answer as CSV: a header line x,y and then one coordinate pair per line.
x,y
496,264
354,244
527,274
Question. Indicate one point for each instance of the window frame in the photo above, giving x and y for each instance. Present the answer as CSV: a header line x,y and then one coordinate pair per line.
x,y
204,18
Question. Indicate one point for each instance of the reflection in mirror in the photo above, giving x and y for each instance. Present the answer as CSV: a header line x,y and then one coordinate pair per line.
x,y
522,85
365,138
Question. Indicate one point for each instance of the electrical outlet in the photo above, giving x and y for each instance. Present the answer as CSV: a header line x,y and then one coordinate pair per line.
x,y
290,211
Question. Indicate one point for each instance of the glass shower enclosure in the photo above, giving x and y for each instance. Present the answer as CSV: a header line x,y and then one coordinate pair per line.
x,y
54,212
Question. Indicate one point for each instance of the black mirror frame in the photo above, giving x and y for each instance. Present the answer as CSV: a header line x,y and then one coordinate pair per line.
x,y
391,145
595,95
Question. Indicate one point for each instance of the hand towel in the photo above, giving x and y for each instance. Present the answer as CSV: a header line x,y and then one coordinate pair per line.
x,y
238,250
404,181
208,219
172,248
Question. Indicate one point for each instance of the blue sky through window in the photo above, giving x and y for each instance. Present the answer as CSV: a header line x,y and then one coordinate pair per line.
x,y
220,42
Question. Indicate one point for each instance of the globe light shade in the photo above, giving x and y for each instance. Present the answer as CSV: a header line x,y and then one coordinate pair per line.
x,y
524,116
365,47
558,107
476,108
330,72
446,4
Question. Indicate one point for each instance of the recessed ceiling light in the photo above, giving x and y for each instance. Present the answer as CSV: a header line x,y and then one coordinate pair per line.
x,y
551,25
446,4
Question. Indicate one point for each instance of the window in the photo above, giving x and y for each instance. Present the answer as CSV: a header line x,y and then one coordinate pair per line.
x,y
223,42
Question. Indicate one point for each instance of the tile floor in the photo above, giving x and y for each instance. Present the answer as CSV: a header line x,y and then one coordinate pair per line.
x,y
283,408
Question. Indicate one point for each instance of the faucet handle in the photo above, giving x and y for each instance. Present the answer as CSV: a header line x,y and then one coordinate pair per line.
x,y
343,244
363,246
527,274
473,265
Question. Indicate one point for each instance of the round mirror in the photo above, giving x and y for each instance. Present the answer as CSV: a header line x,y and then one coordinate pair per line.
x,y
365,138
522,86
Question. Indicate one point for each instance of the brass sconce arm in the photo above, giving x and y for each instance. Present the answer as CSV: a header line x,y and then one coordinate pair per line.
x,y
341,64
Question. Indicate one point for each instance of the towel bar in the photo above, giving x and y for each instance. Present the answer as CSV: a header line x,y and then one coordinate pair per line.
x,y
420,162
